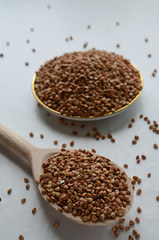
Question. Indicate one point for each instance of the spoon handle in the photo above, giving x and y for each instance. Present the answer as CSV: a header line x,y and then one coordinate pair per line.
x,y
16,143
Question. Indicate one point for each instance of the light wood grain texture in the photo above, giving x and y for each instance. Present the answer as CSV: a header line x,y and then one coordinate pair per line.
x,y
36,157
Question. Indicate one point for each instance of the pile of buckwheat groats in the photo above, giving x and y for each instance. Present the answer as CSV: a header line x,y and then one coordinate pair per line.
x,y
90,83
86,185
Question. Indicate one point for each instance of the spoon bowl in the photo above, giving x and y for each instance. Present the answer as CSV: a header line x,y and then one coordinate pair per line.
x,y
36,157
91,118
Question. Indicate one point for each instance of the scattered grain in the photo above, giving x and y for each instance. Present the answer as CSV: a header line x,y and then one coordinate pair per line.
x,y
113,140
23,200
121,227
103,137
93,150
155,146
97,135
134,142
138,192
143,157
21,237
26,180
31,134
136,137
72,124
151,127
85,45
64,145
135,178
149,175
9,191
133,120
137,220
139,210
117,226
141,115
55,142
145,118
131,223
134,232
116,234
34,211
155,124
56,224
127,228
74,132
139,180
121,220
149,55
133,182
72,143
26,64
137,236
109,135
41,136
125,165
27,187
88,134
130,125
157,197
138,161
130,237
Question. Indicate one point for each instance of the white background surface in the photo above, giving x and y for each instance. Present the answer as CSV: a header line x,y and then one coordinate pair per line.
x,y
139,19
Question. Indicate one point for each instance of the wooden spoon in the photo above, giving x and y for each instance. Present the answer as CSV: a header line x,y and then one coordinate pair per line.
x,y
36,157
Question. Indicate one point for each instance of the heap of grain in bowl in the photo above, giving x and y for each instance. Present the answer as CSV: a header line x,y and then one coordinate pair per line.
x,y
86,185
90,83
